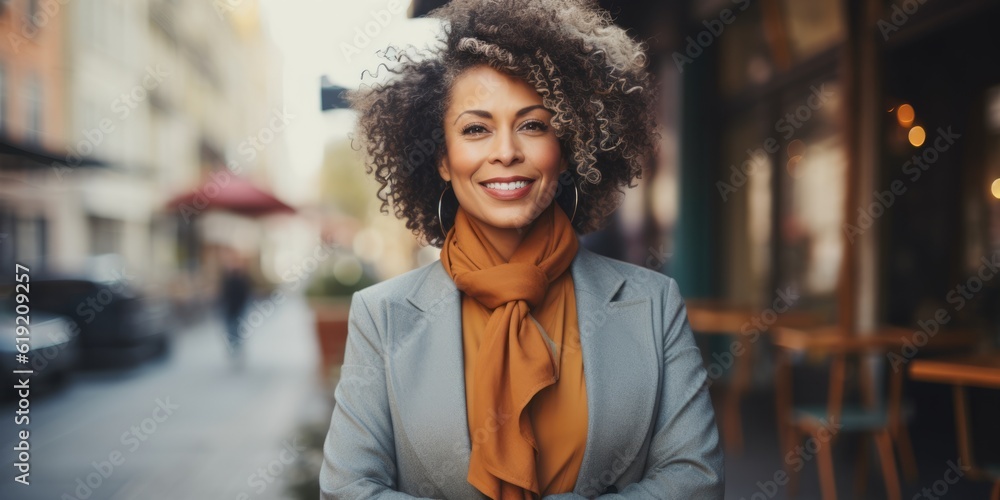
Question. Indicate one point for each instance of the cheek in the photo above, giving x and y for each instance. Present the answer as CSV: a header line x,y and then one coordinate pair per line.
x,y
463,159
548,156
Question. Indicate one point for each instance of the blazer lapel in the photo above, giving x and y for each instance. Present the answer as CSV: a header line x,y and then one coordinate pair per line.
x,y
621,370
426,368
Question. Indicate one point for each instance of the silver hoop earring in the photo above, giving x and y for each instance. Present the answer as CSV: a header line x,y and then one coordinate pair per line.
x,y
440,199
576,194
576,201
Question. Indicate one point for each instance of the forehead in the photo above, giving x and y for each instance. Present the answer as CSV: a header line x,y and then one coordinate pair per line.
x,y
482,87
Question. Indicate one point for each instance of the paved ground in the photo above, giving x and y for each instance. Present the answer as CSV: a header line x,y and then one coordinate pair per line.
x,y
751,475
189,427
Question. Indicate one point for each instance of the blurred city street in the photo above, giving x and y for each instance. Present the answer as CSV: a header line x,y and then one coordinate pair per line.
x,y
825,193
222,430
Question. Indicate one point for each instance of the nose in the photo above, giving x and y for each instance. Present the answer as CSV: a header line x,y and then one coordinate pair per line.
x,y
506,150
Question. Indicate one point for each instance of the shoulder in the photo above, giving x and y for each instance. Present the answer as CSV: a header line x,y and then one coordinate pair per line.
x,y
373,307
628,285
639,281
623,283
397,288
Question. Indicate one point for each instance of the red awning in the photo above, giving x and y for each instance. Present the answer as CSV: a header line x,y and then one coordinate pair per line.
x,y
230,193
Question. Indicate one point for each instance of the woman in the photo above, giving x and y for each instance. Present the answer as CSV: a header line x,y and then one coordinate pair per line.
x,y
520,365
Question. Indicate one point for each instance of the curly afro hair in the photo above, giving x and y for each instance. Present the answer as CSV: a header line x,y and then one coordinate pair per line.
x,y
586,69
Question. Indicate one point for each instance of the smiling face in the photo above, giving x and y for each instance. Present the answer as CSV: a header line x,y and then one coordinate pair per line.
x,y
503,158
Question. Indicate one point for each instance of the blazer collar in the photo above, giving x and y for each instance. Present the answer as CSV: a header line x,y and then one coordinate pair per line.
x,y
591,274
426,371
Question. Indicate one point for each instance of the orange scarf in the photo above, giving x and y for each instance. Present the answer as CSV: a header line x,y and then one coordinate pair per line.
x,y
514,361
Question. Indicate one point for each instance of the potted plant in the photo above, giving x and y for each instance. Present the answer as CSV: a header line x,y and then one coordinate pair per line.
x,y
329,295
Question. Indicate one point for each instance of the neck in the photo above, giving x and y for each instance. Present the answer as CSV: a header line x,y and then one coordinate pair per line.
x,y
505,240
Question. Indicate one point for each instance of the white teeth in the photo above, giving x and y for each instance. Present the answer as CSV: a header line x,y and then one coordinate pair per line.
x,y
507,186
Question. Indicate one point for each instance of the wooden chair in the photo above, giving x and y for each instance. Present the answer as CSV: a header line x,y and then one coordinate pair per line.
x,y
825,423
711,317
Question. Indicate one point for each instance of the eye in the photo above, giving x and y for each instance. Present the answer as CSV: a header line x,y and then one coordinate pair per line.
x,y
474,129
535,126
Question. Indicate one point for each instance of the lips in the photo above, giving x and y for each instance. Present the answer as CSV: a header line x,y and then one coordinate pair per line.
x,y
508,188
507,179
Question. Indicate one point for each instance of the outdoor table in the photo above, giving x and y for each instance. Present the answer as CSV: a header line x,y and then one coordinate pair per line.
x,y
977,370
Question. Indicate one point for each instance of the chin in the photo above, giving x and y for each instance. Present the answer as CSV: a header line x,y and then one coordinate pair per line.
x,y
513,221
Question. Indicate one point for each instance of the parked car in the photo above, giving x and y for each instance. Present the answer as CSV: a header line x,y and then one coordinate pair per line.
x,y
54,348
118,327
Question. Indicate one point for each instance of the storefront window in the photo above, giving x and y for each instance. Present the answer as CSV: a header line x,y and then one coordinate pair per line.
x,y
813,163
745,57
812,26
745,191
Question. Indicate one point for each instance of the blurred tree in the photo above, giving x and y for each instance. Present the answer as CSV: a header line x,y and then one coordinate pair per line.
x,y
344,185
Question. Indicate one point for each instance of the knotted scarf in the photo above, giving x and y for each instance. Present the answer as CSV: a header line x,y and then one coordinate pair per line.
x,y
516,358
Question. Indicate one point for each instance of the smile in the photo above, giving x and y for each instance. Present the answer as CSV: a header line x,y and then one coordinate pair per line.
x,y
507,186
506,191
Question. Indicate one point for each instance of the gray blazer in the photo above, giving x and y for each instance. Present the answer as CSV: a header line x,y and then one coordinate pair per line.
x,y
399,426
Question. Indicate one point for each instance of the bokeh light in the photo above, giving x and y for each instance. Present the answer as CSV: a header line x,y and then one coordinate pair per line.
x,y
796,148
917,136
905,115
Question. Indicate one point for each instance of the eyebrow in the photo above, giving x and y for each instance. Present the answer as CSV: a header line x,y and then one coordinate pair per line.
x,y
486,114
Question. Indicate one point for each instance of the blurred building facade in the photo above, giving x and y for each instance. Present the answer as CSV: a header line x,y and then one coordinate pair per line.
x,y
109,108
32,124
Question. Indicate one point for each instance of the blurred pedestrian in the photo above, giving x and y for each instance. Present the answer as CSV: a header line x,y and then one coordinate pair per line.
x,y
234,294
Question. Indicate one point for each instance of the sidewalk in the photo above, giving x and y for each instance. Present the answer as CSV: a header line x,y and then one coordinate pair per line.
x,y
190,427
